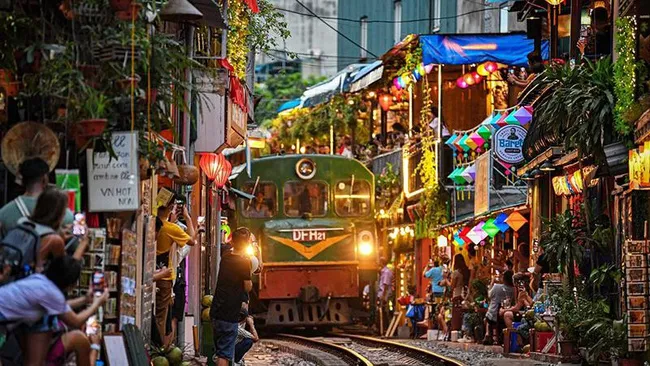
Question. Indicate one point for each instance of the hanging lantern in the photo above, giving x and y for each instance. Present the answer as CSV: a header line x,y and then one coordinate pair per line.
x,y
512,118
180,11
469,79
216,167
491,66
523,116
477,78
401,82
480,69
500,222
490,228
385,101
461,83
516,221
396,84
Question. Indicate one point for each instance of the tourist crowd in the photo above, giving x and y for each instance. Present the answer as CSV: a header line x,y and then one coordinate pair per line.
x,y
41,254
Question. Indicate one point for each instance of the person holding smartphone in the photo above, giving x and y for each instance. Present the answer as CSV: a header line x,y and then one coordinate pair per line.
x,y
170,235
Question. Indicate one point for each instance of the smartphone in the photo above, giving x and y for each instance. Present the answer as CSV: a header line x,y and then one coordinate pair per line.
x,y
92,325
99,283
79,224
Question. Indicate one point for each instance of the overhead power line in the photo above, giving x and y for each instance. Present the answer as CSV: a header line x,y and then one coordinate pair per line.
x,y
334,29
317,56
322,17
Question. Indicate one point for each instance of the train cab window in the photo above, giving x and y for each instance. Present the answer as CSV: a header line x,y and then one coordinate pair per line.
x,y
264,204
352,198
302,198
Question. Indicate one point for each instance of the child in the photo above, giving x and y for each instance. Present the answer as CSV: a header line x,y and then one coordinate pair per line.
x,y
245,339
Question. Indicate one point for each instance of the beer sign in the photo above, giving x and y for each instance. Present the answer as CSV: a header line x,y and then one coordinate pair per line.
x,y
508,144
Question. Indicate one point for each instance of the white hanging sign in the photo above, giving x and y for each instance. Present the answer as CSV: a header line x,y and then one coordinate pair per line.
x,y
113,183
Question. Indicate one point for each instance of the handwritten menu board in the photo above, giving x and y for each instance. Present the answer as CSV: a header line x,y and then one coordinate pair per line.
x,y
113,182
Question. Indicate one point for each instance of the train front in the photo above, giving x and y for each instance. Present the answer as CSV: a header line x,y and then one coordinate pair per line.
x,y
313,216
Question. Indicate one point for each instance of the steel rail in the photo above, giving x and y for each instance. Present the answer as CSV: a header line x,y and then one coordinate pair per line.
x,y
347,355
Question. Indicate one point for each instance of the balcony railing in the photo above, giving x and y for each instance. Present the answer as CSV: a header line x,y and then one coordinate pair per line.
x,y
380,162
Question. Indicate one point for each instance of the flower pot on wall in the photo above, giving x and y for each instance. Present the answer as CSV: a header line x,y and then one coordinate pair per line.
x,y
89,128
8,82
568,348
119,5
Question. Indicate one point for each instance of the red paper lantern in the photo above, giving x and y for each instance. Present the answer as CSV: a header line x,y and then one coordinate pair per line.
x,y
385,101
491,66
216,167
469,79
477,78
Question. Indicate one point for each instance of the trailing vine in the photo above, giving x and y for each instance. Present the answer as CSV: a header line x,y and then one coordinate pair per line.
x,y
238,19
434,197
625,72
412,60
425,112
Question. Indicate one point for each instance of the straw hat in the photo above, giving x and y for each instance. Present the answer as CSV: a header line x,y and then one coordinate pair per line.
x,y
29,140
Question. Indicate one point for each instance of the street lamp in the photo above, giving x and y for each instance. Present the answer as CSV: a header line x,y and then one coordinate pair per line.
x,y
555,9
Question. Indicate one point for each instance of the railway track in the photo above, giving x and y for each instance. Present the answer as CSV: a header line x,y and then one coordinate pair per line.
x,y
346,349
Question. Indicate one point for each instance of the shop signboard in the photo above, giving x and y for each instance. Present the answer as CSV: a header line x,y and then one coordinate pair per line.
x,y
113,183
508,142
639,165
482,184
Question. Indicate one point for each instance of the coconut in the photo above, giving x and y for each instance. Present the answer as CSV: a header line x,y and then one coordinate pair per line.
x,y
206,301
205,315
175,356
160,361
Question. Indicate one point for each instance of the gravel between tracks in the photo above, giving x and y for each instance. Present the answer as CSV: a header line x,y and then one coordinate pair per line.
x,y
471,357
263,354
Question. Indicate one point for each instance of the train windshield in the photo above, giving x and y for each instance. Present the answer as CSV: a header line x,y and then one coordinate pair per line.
x,y
352,198
302,198
264,203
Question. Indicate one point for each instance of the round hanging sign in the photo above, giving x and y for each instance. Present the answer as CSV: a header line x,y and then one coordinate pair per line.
x,y
508,143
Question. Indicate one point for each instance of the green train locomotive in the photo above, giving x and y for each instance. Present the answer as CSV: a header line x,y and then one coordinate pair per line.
x,y
313,217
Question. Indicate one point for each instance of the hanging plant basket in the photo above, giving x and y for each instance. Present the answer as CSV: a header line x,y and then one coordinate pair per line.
x,y
113,51
187,174
89,14
89,128
129,13
125,84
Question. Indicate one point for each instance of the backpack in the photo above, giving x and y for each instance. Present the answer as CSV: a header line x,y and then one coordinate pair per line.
x,y
19,250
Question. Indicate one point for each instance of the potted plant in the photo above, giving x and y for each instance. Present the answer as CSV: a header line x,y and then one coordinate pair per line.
x,y
561,242
93,121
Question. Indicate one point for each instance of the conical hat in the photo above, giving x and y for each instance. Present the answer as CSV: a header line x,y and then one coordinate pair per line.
x,y
29,140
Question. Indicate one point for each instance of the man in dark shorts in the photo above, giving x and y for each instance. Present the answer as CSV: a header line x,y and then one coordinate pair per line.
x,y
233,284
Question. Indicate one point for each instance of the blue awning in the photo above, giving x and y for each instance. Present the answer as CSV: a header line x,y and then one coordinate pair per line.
x,y
509,49
289,105
366,76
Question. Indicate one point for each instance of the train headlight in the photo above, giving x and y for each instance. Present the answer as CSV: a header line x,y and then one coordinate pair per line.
x,y
306,169
366,246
